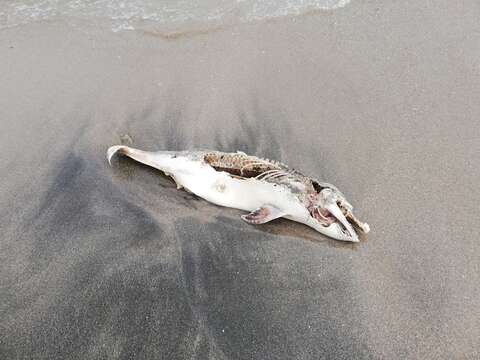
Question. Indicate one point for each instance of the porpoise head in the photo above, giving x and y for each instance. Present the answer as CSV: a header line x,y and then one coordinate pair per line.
x,y
332,215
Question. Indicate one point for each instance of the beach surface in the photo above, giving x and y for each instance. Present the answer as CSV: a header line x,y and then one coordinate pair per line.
x,y
380,98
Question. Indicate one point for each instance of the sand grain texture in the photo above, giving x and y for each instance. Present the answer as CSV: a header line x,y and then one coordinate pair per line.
x,y
379,98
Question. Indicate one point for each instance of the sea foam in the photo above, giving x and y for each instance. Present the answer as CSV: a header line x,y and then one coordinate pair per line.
x,y
174,14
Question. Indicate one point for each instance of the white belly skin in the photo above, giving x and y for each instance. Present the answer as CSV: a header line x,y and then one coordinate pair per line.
x,y
221,189
244,194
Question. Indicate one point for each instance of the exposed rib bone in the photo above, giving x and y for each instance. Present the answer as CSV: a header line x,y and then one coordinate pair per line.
x,y
265,173
272,175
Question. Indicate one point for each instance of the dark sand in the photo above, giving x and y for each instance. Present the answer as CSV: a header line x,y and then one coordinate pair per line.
x,y
380,98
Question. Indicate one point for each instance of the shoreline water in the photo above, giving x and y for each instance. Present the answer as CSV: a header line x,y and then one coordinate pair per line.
x,y
172,16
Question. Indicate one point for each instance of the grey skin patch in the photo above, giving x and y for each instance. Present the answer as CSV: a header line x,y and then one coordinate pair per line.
x,y
239,164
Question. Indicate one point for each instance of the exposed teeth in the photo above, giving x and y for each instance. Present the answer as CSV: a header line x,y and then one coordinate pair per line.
x,y
335,211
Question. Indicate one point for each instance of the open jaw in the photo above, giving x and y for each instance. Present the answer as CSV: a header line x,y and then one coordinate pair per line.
x,y
339,221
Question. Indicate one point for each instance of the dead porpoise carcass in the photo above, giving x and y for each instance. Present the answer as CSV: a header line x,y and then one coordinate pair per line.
x,y
266,188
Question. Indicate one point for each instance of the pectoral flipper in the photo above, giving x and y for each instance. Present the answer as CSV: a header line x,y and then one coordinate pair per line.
x,y
263,215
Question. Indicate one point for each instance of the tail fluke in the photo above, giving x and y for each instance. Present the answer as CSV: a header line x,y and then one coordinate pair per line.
x,y
161,160
112,150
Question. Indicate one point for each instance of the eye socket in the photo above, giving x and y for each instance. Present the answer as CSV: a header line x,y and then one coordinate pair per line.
x,y
317,186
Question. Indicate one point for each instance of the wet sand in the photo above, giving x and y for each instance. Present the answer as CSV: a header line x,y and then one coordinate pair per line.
x,y
380,99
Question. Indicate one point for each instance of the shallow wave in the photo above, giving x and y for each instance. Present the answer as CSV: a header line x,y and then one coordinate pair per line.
x,y
171,14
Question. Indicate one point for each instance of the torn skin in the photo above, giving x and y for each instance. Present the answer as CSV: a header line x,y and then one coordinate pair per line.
x,y
323,216
267,189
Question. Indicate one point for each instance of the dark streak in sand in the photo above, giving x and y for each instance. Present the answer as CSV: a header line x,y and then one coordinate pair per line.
x,y
230,273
